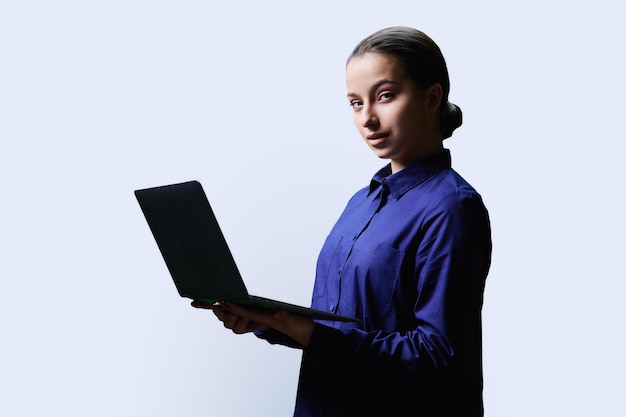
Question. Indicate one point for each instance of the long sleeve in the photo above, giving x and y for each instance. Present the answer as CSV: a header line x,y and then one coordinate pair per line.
x,y
412,267
443,287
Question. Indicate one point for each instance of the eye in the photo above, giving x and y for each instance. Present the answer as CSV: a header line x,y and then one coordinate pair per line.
x,y
356,104
385,96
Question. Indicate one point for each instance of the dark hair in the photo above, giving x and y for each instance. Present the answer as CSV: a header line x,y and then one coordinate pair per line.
x,y
422,61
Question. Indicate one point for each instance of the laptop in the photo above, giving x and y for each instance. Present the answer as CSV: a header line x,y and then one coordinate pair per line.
x,y
196,253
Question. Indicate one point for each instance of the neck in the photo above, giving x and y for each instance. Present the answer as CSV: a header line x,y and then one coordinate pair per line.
x,y
399,164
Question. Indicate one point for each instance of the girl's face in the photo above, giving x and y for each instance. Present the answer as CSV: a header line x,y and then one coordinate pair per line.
x,y
397,120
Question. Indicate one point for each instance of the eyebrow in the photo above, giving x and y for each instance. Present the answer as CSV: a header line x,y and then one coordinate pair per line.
x,y
375,86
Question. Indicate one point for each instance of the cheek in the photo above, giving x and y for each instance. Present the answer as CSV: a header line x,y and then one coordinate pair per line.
x,y
358,124
409,121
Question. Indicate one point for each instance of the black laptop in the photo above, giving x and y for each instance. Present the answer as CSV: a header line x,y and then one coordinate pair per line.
x,y
195,250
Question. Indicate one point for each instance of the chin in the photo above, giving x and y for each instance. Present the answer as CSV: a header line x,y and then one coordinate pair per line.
x,y
381,154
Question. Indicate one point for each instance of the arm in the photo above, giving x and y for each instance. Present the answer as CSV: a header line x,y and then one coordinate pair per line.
x,y
435,321
450,266
242,320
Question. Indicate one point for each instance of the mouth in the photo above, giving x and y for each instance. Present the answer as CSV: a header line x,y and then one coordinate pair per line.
x,y
377,139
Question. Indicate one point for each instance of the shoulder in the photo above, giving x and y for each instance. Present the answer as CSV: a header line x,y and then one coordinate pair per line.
x,y
452,182
449,195
448,187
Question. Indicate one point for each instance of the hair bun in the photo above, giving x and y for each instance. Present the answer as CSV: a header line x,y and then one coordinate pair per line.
x,y
450,118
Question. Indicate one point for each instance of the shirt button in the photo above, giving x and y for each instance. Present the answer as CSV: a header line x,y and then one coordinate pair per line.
x,y
331,307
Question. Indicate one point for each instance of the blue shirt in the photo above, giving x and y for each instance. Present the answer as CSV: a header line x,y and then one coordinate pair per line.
x,y
408,257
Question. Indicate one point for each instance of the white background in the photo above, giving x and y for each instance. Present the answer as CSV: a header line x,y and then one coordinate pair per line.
x,y
99,98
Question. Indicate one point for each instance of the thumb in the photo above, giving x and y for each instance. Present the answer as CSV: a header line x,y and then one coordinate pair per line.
x,y
281,316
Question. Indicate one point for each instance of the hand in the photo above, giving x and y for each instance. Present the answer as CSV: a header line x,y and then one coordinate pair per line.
x,y
241,320
239,324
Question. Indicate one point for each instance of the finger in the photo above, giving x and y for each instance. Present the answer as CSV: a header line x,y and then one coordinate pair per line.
x,y
240,325
229,319
202,304
221,314
281,316
251,314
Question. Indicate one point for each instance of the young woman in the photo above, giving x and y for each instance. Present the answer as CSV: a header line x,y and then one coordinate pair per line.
x,y
408,257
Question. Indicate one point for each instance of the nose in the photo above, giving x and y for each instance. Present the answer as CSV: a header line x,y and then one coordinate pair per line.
x,y
369,118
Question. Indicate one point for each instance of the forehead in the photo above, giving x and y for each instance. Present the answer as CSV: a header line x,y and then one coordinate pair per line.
x,y
370,68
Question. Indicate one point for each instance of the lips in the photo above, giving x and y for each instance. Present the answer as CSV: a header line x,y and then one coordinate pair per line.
x,y
377,139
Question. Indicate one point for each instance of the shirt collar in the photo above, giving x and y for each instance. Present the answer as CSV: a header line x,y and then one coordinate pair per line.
x,y
399,183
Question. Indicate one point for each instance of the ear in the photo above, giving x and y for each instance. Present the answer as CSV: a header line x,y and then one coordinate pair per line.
x,y
434,93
